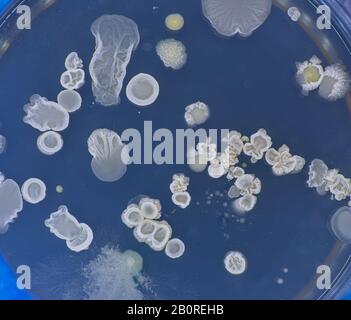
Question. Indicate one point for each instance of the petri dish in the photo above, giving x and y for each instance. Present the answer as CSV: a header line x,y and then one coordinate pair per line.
x,y
248,84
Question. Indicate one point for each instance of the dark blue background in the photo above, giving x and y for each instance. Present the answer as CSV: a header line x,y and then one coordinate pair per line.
x,y
248,84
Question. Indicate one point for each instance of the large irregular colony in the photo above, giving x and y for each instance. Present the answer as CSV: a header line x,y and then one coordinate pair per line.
x,y
11,202
231,17
179,186
333,82
116,39
110,155
143,216
62,224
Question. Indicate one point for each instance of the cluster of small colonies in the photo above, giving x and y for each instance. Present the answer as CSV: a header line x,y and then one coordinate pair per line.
x,y
283,162
172,53
143,217
110,155
50,117
62,224
116,39
245,190
74,76
179,186
328,180
196,114
11,202
333,82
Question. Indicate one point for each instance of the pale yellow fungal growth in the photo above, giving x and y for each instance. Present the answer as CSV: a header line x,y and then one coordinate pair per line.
x,y
174,22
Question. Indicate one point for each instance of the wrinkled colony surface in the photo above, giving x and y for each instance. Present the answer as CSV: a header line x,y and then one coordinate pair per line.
x,y
73,62
174,22
62,224
3,144
49,143
235,263
259,144
116,38
231,17
172,53
45,115
283,162
335,84
70,100
110,155
143,90
175,248
11,202
340,224
196,114
33,190
73,79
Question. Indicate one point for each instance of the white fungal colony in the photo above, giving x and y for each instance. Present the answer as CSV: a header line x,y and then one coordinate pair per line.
x,y
49,143
142,216
3,144
62,224
309,74
73,79
335,84
229,17
114,275
328,180
45,115
259,144
196,114
294,14
11,202
235,263
110,155
179,187
172,53
245,188
33,190
74,76
179,183
143,90
175,248
70,100
73,62
283,162
181,199
340,224
116,38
